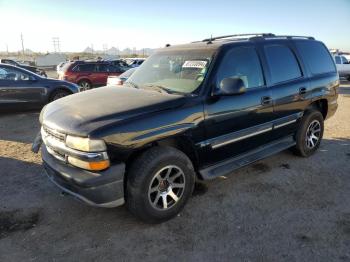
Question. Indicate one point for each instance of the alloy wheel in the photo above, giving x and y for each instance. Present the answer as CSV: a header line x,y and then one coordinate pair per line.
x,y
166,187
59,95
313,134
85,85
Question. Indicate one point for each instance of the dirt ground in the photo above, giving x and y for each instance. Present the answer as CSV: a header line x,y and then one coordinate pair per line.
x,y
283,208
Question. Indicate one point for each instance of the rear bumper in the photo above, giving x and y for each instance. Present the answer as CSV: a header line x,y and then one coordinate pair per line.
x,y
102,189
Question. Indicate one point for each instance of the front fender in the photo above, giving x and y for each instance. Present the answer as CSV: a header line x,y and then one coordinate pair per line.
x,y
144,130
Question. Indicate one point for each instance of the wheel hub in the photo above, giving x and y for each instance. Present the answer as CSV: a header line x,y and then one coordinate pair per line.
x,y
163,185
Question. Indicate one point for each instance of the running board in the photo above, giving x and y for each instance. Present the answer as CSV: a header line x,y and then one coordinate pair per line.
x,y
228,166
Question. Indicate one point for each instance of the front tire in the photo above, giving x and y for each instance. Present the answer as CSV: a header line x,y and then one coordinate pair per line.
x,y
159,183
309,135
59,94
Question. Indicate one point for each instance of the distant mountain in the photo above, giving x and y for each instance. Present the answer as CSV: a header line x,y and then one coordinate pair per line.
x,y
125,52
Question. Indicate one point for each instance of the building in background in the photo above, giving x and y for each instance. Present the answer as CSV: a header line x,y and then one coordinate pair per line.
x,y
50,59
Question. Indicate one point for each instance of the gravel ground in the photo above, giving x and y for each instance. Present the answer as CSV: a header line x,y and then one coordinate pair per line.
x,y
283,208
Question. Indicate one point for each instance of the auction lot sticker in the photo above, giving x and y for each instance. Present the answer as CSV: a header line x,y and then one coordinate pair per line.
x,y
194,64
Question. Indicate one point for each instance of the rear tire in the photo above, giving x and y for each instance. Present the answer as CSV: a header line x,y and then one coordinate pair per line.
x,y
309,135
59,94
348,78
85,85
159,183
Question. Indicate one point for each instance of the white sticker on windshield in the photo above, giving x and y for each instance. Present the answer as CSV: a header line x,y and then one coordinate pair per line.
x,y
194,64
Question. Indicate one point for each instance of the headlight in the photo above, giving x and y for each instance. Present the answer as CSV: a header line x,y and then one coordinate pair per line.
x,y
85,144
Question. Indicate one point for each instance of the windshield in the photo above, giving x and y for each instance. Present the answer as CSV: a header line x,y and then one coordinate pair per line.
x,y
178,71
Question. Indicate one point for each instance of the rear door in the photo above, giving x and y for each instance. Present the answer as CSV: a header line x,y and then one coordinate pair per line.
x,y
289,85
238,123
85,72
101,74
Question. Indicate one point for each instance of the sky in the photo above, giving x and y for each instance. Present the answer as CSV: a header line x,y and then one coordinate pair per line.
x,y
152,24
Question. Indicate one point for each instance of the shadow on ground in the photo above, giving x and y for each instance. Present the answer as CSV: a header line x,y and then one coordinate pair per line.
x,y
280,208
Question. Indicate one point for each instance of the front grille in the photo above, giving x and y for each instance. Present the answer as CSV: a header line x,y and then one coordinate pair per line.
x,y
54,134
53,140
56,146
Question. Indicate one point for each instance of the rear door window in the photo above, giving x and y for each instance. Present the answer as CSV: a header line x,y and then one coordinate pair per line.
x,y
244,63
282,63
85,68
316,56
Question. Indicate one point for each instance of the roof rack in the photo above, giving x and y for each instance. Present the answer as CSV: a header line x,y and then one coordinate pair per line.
x,y
238,35
293,37
256,36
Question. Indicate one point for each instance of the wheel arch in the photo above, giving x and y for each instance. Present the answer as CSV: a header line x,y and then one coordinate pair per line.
x,y
181,143
320,105
84,79
56,90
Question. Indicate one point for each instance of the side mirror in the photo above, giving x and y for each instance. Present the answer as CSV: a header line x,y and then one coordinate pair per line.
x,y
231,86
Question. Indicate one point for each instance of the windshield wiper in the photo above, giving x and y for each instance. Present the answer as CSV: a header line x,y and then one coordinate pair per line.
x,y
159,88
132,84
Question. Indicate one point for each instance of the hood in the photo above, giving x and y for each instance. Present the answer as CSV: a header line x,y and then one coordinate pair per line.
x,y
82,113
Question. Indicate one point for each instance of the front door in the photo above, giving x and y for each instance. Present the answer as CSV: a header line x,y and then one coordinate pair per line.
x,y
19,89
239,123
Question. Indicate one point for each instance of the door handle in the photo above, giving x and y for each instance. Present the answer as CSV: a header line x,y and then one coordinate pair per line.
x,y
266,100
302,90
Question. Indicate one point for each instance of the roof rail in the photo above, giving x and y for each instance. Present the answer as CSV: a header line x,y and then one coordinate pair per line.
x,y
292,37
256,37
239,35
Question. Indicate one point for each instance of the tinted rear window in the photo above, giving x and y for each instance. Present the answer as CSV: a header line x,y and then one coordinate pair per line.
x,y
84,68
282,62
316,56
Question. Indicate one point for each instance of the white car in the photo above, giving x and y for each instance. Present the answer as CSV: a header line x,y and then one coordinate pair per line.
x,y
343,66
119,80
59,67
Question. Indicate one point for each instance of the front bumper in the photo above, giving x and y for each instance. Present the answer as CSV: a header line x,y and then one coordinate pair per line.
x,y
102,189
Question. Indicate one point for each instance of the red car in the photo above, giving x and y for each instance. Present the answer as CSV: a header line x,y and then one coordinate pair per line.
x,y
89,74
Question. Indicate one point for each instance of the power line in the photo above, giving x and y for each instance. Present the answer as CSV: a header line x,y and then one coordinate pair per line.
x,y
22,44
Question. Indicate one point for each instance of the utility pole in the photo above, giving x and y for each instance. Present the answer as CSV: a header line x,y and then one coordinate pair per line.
x,y
56,44
22,44
105,48
7,49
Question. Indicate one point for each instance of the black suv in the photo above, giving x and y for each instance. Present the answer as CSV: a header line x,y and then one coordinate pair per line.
x,y
194,111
